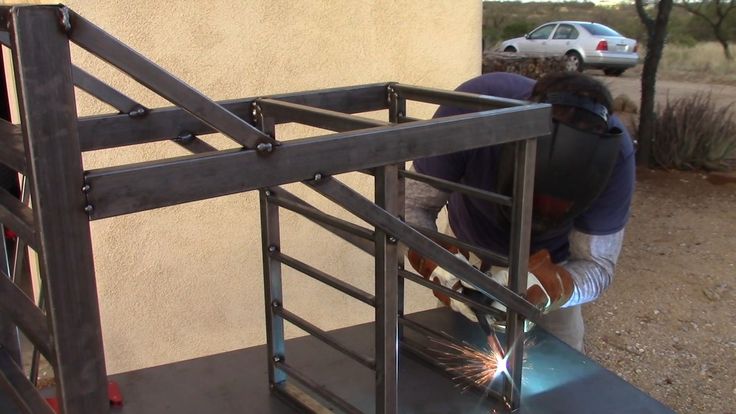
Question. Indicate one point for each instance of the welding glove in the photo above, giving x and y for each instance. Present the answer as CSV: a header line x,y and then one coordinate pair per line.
x,y
436,274
549,286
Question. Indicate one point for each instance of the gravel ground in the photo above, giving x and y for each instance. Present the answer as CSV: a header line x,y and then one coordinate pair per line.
x,y
667,323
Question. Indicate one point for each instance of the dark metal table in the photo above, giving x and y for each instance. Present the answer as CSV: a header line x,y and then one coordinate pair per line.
x,y
557,379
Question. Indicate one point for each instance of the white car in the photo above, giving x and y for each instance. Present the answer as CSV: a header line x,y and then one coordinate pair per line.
x,y
585,44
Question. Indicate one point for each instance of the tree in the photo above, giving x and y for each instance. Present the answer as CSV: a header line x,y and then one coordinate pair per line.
x,y
656,29
714,12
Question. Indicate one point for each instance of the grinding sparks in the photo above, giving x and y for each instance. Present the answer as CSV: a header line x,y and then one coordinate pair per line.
x,y
469,363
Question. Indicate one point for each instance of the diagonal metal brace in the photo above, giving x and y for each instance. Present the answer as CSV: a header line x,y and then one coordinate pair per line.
x,y
101,44
343,195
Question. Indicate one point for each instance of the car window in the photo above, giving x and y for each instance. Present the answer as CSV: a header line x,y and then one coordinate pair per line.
x,y
597,29
566,31
543,32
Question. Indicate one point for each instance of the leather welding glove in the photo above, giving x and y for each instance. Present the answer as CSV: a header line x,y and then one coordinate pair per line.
x,y
549,285
429,270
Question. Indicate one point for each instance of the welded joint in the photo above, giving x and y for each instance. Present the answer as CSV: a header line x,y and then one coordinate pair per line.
x,y
185,138
88,207
138,111
66,22
273,248
391,94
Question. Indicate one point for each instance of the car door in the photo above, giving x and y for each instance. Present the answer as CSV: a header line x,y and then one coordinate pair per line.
x,y
537,39
562,40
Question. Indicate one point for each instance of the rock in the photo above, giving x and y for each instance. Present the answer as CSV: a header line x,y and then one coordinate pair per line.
x,y
711,294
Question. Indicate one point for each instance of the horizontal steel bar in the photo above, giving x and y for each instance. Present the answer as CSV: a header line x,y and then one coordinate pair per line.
x,y
99,43
494,258
12,151
339,193
451,293
107,131
17,386
325,278
284,112
105,93
18,217
456,187
455,98
136,187
323,336
354,234
27,316
317,389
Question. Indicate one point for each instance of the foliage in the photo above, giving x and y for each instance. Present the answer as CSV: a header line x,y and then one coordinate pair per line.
x,y
692,133
716,14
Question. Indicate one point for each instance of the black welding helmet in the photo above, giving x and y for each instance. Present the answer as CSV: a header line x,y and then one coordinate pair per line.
x,y
572,165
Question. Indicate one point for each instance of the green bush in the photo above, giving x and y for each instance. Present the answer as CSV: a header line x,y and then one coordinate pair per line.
x,y
516,29
691,133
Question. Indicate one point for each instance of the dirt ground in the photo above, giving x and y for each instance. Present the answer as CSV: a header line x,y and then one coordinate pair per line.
x,y
667,324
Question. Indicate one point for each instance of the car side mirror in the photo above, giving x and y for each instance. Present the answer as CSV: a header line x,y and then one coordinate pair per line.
x,y
527,36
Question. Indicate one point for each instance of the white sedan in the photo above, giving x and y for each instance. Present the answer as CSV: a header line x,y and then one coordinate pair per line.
x,y
584,44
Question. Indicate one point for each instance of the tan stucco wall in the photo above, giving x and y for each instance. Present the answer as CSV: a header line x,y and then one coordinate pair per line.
x,y
185,281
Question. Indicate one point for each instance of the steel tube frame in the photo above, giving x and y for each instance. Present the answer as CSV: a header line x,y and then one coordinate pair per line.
x,y
20,388
65,197
460,188
136,187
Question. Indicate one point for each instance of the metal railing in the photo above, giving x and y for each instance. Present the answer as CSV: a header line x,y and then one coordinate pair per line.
x,y
47,145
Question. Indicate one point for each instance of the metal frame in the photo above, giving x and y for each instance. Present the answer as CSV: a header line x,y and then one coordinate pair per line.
x,y
46,148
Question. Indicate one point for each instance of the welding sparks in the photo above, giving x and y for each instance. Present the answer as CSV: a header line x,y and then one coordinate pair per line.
x,y
469,363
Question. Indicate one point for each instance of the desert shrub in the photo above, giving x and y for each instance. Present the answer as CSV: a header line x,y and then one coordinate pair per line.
x,y
691,133
516,29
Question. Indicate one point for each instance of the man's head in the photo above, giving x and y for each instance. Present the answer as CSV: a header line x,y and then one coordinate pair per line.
x,y
574,163
577,100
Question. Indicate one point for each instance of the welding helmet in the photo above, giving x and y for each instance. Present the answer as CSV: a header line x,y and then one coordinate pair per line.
x,y
572,165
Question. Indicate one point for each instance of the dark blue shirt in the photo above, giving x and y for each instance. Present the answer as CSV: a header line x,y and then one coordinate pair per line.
x,y
475,220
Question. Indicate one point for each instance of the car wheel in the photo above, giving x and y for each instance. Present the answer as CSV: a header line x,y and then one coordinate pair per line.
x,y
613,72
510,49
574,62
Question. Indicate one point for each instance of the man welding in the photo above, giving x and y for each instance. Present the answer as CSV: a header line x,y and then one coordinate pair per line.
x,y
584,181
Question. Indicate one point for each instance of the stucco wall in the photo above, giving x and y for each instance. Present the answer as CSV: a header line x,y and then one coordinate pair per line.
x,y
185,281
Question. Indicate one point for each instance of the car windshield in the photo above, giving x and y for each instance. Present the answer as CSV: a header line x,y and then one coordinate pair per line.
x,y
599,30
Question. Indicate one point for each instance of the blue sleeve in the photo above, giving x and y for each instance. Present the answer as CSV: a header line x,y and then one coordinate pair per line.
x,y
610,211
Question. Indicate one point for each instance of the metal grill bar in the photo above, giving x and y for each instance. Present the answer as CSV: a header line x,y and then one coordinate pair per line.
x,y
136,187
449,292
284,112
325,278
99,43
106,93
460,188
317,389
323,336
453,98
358,236
18,217
363,208
27,316
14,382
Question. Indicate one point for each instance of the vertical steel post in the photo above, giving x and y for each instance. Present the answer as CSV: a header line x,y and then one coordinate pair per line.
x,y
396,113
271,241
525,154
386,191
49,121
9,338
